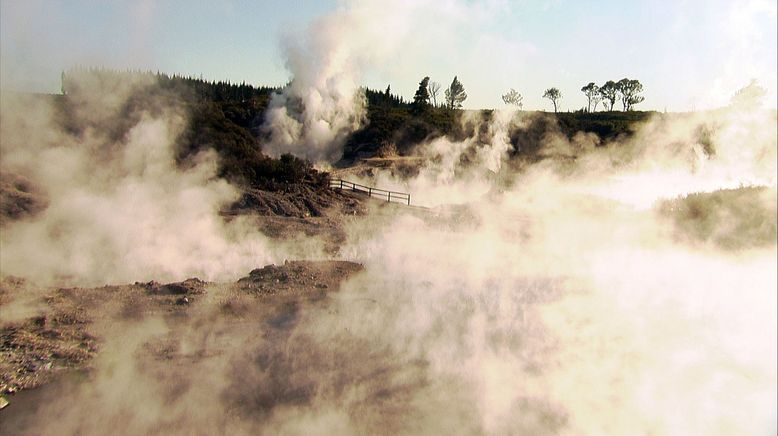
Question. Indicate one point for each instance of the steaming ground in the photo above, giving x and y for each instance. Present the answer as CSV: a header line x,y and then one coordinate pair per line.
x,y
469,326
623,289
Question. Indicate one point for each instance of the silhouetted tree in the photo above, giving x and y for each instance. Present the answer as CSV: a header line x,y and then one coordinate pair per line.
x,y
388,94
434,89
512,97
609,92
629,90
422,97
590,91
596,99
554,95
455,94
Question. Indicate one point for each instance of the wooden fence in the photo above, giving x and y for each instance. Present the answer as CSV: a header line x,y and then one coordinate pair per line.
x,y
390,196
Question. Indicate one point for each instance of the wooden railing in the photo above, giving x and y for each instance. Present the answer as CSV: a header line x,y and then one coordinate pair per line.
x,y
390,196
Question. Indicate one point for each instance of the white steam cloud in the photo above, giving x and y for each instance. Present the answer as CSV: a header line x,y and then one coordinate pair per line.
x,y
562,304
557,298
312,116
119,209
554,301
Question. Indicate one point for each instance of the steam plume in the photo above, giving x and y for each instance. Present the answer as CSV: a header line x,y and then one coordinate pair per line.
x,y
119,208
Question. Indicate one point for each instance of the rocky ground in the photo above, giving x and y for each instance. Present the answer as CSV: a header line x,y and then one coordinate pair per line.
x,y
49,334
19,198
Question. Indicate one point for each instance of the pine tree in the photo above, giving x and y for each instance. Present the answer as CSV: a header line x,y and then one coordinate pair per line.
x,y
422,97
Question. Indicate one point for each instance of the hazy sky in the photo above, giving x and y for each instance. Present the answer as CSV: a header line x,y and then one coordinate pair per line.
x,y
690,54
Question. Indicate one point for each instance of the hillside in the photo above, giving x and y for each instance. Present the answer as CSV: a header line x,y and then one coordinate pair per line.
x,y
163,273
391,120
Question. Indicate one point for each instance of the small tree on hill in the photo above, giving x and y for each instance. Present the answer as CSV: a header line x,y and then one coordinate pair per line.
x,y
422,97
513,98
455,94
609,92
434,88
596,99
629,90
388,95
554,95
591,91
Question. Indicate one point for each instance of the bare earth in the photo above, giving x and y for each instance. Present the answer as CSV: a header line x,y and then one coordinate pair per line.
x,y
64,329
50,336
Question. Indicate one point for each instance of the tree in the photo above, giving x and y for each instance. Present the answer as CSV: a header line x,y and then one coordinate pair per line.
x,y
455,94
554,95
609,92
596,99
422,96
629,90
592,93
388,95
514,98
750,95
434,88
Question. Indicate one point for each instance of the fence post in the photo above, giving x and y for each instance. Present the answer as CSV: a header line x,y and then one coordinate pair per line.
x,y
389,199
341,184
369,192
409,199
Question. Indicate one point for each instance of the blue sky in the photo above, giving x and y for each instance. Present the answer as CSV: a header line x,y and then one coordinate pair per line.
x,y
690,54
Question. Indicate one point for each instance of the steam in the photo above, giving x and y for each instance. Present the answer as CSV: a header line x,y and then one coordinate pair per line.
x,y
312,116
554,299
576,330
567,307
667,157
330,60
119,208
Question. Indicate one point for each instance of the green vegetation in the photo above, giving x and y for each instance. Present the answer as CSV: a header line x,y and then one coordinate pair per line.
x,y
222,116
607,125
609,92
455,94
728,218
593,96
554,95
629,90
626,90
227,118
513,98
391,120
422,98
188,88
242,162
433,89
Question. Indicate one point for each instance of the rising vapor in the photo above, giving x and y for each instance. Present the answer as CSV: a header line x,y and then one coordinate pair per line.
x,y
596,287
119,207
